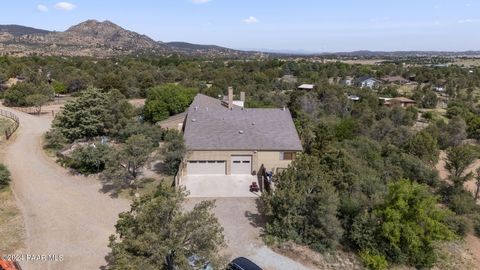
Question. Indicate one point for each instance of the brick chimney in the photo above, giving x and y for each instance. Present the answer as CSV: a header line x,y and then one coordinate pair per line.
x,y
230,97
242,96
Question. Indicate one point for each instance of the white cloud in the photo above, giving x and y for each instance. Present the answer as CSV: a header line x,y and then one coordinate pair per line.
x,y
201,1
42,8
469,21
250,20
64,6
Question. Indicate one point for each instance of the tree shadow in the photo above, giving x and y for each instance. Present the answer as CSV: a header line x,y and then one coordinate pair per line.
x,y
257,220
160,168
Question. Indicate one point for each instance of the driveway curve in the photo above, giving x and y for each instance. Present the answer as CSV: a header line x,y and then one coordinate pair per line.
x,y
64,215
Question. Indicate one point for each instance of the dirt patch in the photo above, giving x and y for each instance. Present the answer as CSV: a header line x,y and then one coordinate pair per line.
x,y
337,260
137,103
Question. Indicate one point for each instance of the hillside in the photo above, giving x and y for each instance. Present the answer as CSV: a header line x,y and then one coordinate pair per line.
x,y
98,39
19,30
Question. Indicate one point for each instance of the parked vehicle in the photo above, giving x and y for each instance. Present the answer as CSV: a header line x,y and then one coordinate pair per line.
x,y
242,263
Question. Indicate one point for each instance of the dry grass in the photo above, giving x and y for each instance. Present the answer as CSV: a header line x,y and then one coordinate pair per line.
x,y
470,62
11,224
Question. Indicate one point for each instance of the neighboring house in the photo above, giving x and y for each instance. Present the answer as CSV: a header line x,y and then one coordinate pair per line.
x,y
306,86
353,97
348,81
398,101
288,79
367,82
395,80
222,138
439,89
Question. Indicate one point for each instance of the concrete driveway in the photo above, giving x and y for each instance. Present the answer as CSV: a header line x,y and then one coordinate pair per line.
x,y
243,227
219,186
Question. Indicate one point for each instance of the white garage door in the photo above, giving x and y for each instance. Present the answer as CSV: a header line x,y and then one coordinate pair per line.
x,y
241,164
205,167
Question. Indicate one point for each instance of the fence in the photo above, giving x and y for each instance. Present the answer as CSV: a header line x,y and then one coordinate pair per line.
x,y
12,127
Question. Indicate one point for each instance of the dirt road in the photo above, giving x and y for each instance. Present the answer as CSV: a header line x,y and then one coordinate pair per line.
x,y
64,215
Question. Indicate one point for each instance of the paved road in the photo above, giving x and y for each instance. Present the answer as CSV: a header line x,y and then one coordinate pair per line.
x,y
63,214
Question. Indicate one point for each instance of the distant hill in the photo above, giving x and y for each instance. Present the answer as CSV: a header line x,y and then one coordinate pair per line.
x,y
99,39
19,30
208,50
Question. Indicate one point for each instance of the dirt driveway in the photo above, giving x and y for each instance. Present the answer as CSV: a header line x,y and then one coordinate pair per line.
x,y
64,215
242,229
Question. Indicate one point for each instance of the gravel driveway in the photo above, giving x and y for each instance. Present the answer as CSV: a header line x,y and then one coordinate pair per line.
x,y
64,215
242,229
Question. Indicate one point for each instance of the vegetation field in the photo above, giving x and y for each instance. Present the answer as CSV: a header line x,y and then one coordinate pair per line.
x,y
11,226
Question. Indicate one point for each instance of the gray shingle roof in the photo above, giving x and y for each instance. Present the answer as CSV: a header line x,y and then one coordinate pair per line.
x,y
212,126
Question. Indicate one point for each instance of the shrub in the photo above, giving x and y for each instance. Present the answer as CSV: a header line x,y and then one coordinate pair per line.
x,y
428,115
89,159
371,260
4,176
54,139
462,203
476,224
458,224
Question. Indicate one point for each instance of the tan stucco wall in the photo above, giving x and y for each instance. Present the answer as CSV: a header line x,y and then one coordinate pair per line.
x,y
270,159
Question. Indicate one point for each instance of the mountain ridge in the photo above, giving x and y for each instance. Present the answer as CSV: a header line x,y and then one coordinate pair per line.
x,y
96,38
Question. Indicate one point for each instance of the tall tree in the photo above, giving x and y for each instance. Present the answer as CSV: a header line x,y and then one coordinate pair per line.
x,y
157,234
458,159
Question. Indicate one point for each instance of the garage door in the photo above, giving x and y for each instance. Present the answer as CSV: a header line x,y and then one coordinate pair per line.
x,y
205,167
241,164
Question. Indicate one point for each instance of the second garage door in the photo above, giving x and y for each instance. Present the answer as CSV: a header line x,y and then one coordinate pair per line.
x,y
241,164
195,167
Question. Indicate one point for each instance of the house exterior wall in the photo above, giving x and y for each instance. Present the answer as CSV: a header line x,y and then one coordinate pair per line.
x,y
270,159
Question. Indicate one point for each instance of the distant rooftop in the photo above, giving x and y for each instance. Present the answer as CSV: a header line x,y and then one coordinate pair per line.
x,y
306,86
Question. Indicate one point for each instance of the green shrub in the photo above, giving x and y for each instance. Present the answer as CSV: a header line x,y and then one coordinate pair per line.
x,y
371,260
458,224
476,224
89,159
462,203
4,176
428,115
54,139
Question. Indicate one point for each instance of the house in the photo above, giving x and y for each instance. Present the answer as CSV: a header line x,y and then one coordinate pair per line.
x,y
288,79
399,80
306,86
348,81
353,97
439,89
225,139
398,101
367,82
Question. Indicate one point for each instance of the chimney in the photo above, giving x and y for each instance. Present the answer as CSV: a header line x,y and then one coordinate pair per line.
x,y
230,97
242,96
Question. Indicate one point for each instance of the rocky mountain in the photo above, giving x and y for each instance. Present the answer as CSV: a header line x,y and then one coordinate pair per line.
x,y
19,30
98,39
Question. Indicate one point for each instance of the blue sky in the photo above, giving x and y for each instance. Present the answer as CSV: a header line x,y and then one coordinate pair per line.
x,y
312,25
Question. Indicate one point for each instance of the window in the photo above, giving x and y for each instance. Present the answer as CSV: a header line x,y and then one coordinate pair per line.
x,y
211,161
236,161
287,155
246,161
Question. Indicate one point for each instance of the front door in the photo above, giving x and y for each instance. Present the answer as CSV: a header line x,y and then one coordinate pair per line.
x,y
241,164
